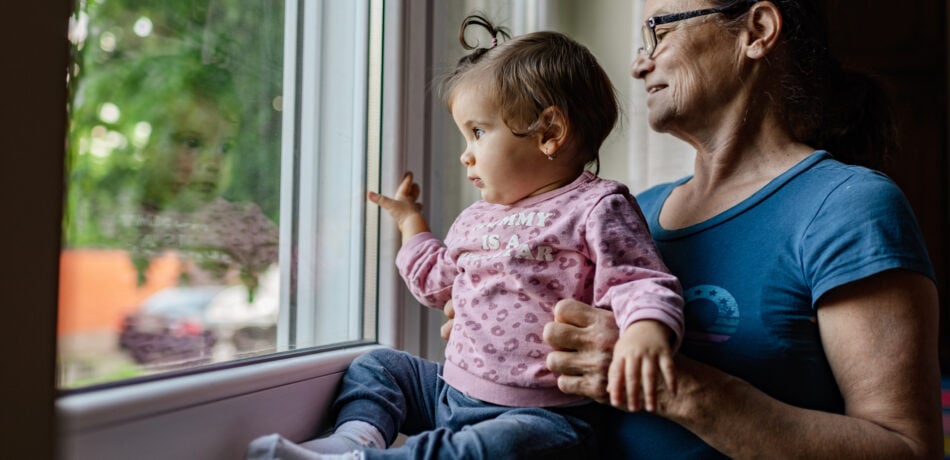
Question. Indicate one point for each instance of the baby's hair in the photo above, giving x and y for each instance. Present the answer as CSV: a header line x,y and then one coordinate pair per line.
x,y
530,73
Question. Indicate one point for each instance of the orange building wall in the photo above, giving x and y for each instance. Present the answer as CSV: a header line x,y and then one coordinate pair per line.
x,y
97,287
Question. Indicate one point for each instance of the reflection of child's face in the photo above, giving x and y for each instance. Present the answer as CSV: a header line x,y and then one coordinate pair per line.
x,y
195,154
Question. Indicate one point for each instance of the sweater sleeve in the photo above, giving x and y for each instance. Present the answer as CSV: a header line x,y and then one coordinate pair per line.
x,y
629,276
427,270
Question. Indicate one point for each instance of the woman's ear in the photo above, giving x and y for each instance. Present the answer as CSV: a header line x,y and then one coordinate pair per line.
x,y
764,26
554,132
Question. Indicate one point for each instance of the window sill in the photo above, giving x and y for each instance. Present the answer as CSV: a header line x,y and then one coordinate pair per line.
x,y
206,415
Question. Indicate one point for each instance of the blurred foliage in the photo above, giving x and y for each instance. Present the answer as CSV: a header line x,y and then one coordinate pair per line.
x,y
173,106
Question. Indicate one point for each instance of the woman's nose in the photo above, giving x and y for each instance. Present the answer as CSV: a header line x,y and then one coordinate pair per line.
x,y
642,64
467,158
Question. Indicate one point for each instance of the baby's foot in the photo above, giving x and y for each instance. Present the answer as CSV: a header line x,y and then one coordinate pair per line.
x,y
276,447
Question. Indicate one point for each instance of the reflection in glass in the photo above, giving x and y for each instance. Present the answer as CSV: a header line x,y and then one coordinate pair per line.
x,y
171,227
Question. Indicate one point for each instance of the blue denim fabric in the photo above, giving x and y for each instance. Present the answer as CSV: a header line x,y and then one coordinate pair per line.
x,y
397,392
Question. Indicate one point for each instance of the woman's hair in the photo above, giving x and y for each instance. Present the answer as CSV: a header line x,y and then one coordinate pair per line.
x,y
526,75
824,104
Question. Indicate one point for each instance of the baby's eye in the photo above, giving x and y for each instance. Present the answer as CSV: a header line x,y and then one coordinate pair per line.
x,y
478,132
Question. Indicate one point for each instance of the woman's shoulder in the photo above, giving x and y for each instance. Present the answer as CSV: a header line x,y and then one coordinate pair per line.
x,y
852,185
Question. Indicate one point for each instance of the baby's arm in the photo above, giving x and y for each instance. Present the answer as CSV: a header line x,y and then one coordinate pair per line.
x,y
642,350
645,297
403,208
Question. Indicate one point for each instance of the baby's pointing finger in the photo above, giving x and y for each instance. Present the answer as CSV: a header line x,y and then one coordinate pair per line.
x,y
382,201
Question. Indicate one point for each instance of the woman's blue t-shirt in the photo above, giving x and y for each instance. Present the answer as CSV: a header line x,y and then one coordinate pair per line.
x,y
752,275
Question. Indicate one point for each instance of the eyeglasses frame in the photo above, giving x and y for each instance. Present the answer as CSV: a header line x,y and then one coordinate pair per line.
x,y
651,23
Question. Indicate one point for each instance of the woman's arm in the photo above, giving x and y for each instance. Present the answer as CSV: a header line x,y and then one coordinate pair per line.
x,y
880,336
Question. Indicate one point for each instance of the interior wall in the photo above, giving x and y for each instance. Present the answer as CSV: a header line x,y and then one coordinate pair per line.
x,y
34,127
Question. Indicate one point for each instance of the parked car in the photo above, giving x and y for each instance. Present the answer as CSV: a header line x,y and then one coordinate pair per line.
x,y
187,325
169,327
248,325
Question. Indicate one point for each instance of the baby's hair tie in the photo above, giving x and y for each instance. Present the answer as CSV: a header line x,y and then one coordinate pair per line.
x,y
476,51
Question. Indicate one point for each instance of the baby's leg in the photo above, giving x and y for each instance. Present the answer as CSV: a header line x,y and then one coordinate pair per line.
x,y
382,391
476,430
391,390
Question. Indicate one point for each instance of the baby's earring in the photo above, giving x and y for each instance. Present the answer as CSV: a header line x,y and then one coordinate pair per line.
x,y
551,157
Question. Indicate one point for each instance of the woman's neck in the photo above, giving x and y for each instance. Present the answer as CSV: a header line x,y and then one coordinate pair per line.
x,y
739,151
731,164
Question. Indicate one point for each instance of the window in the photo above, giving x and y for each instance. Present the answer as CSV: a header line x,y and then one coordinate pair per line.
x,y
218,154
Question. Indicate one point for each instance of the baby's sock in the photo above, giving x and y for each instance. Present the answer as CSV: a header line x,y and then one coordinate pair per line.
x,y
350,436
354,455
276,447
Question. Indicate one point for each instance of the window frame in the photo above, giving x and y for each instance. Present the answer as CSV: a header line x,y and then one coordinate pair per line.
x,y
34,129
214,413
316,121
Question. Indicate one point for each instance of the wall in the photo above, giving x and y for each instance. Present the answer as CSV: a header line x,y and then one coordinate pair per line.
x,y
31,182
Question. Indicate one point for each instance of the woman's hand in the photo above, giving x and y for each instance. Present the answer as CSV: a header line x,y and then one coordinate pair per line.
x,y
583,338
449,312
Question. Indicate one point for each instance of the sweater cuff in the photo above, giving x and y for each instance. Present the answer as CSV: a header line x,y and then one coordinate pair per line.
x,y
657,314
416,240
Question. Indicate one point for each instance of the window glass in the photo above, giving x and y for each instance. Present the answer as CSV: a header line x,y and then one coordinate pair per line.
x,y
183,226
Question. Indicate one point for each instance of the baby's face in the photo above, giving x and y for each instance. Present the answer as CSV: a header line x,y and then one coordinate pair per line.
x,y
196,154
506,168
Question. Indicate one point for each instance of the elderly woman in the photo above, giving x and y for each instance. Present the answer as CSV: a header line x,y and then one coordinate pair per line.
x,y
811,306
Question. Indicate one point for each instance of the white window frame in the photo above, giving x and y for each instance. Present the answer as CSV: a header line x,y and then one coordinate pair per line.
x,y
321,193
214,414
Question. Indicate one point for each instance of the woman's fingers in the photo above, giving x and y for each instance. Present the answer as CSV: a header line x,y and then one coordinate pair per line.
x,y
579,326
587,385
445,331
648,380
449,311
573,312
669,373
564,336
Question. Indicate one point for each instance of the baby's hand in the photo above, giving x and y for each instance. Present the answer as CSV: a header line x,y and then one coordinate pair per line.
x,y
403,207
641,350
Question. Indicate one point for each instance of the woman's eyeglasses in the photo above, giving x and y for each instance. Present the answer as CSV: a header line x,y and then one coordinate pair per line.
x,y
649,26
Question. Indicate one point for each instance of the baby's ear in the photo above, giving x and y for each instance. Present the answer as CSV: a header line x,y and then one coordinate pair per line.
x,y
554,131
